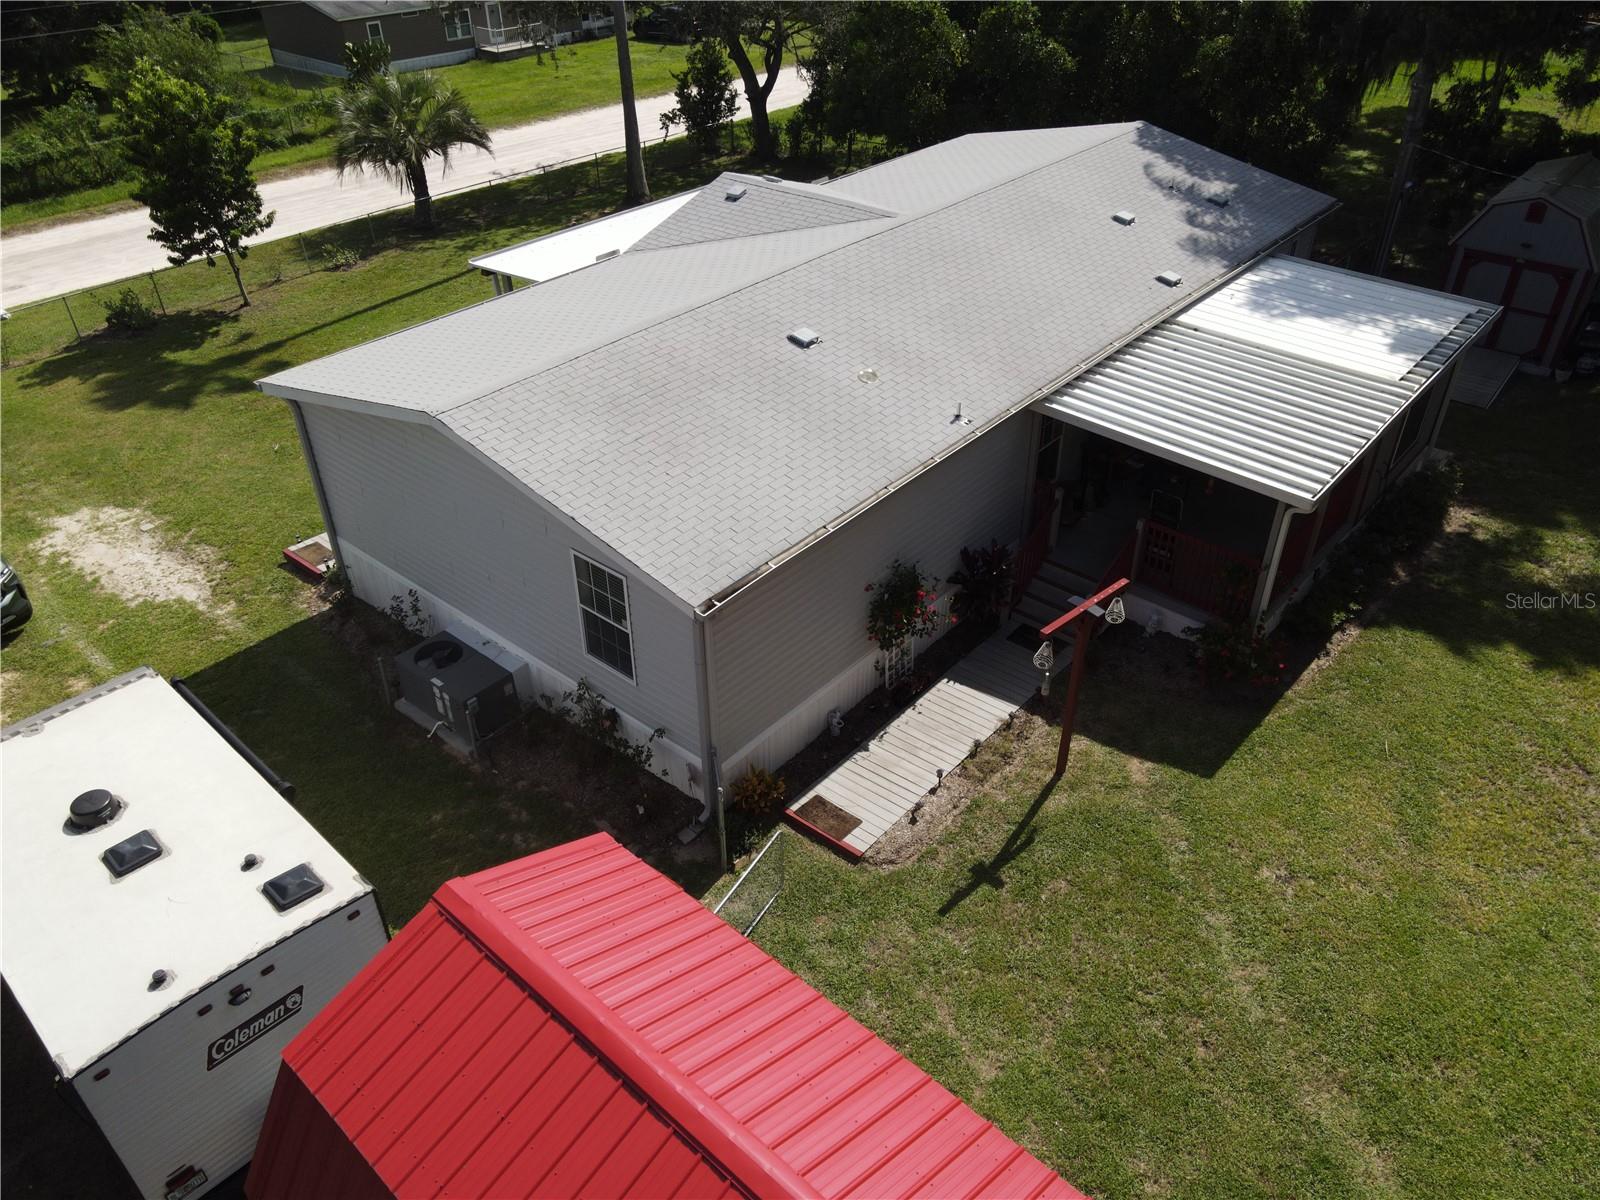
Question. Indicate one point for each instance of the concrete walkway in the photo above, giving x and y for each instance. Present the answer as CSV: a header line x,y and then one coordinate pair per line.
x,y
96,250
878,784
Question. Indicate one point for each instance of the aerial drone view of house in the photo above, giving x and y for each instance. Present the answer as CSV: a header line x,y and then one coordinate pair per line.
x,y
871,600
1101,344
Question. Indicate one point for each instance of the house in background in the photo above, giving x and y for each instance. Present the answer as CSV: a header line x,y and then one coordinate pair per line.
x,y
1535,250
575,1024
674,471
312,36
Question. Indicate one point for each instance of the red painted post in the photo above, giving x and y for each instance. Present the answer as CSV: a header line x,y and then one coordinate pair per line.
x,y
1086,615
1070,713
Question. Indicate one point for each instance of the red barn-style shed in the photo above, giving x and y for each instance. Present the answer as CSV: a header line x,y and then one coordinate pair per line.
x,y
575,1024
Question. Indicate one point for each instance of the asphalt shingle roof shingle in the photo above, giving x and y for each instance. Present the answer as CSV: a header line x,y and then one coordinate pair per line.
x,y
655,399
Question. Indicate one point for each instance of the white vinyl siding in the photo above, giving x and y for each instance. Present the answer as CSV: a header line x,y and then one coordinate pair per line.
x,y
802,628
431,512
603,603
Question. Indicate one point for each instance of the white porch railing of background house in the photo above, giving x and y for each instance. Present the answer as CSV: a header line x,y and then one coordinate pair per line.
x,y
511,34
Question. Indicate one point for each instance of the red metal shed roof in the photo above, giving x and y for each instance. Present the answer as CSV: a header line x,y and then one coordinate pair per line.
x,y
575,1024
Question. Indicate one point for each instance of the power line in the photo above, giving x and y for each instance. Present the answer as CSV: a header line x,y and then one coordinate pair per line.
x,y
23,37
1552,183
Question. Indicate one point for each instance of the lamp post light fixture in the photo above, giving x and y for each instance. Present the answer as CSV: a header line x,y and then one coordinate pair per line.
x,y
1087,615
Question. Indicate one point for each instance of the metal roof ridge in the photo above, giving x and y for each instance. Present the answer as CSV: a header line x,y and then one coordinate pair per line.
x,y
744,1158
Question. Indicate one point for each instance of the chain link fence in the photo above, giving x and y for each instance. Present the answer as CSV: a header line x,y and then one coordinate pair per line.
x,y
45,327
756,890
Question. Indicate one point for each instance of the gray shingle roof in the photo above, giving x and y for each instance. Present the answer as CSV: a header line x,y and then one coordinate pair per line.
x,y
762,206
655,399
360,10
1572,182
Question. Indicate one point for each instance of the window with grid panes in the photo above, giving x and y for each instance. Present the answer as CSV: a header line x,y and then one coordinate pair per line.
x,y
603,605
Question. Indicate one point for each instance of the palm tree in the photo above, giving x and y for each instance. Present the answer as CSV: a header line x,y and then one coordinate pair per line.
x,y
395,123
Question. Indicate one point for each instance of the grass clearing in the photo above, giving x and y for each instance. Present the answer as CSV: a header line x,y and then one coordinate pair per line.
x,y
1346,946
565,80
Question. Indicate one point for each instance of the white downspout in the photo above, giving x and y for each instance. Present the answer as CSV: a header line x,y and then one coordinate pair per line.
x,y
1280,527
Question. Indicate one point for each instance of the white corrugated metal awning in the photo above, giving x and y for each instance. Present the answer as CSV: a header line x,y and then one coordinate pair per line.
x,y
1278,381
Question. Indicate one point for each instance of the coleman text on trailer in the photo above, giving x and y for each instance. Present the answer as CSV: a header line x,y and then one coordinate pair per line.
x,y
170,923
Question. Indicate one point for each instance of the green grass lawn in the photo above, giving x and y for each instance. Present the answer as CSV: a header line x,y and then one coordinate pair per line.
x,y
1345,945
568,79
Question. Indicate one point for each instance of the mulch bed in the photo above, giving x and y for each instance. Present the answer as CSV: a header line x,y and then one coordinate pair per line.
x,y
827,817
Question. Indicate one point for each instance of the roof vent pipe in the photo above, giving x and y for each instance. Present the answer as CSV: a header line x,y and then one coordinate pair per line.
x,y
1123,218
805,338
736,192
1170,278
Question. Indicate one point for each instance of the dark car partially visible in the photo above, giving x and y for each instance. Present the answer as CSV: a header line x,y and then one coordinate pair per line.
x,y
15,607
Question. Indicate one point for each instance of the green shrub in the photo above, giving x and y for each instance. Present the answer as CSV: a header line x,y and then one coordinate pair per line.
x,y
129,312
1238,652
1400,524
902,606
985,583
592,715
339,258
63,149
758,791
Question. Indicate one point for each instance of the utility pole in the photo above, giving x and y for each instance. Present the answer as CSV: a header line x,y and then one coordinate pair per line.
x,y
638,188
1411,133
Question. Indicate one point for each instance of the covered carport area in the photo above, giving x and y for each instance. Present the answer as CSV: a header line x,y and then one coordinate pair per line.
x,y
1309,385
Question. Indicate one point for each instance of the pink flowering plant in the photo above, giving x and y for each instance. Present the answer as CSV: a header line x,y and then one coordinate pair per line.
x,y
903,605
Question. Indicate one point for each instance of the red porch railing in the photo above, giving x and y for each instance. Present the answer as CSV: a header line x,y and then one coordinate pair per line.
x,y
1122,565
1030,555
1213,578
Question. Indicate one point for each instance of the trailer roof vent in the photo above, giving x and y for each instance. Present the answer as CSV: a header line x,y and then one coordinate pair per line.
x,y
294,886
128,855
805,338
1170,278
605,254
1218,201
91,810
735,191
1123,218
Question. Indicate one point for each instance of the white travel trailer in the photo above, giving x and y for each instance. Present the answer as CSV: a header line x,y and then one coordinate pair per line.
x,y
169,922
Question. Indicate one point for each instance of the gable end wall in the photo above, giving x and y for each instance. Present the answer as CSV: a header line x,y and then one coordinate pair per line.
x,y
413,509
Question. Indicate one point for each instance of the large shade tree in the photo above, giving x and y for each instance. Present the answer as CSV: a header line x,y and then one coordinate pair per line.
x,y
393,124
193,164
758,35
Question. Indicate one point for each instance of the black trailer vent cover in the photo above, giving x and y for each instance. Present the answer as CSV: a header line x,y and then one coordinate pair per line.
x,y
92,809
132,853
294,886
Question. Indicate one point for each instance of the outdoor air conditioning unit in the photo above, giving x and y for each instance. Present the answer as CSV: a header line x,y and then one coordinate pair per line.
x,y
170,923
455,690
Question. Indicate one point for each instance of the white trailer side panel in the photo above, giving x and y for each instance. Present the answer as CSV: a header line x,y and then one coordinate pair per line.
x,y
191,1090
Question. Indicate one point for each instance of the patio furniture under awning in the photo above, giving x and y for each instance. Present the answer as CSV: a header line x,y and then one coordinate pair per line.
x,y
1279,380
